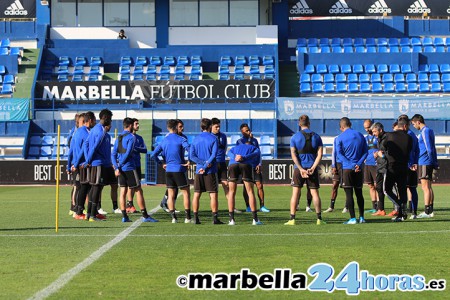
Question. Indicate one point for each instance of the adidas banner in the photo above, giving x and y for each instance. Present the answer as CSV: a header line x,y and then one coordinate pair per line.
x,y
299,9
18,9
120,92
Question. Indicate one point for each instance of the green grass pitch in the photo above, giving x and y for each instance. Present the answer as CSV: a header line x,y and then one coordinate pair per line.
x,y
147,262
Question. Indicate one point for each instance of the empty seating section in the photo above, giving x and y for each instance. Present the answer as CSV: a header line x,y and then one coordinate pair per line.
x,y
79,69
161,68
373,45
46,146
372,78
7,82
246,67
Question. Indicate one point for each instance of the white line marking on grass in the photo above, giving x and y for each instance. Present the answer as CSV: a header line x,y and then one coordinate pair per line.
x,y
66,277
230,234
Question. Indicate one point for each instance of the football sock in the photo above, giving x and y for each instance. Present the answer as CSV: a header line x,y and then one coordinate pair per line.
x,y
431,208
130,203
215,216
292,217
332,203
124,214
255,215
196,215
374,204
187,212
360,201
309,201
144,213
350,202
319,216
173,214
231,214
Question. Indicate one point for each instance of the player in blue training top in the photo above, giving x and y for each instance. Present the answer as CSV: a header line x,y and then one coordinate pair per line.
x,y
172,149
125,169
247,135
78,142
139,147
221,153
98,160
240,165
351,150
203,151
73,176
306,152
370,165
427,163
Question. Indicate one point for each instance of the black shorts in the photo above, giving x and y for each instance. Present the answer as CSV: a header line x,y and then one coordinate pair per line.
x,y
352,179
412,178
75,177
101,175
84,175
222,171
176,180
312,182
205,183
244,171
425,172
129,179
370,174
257,176
337,175
139,172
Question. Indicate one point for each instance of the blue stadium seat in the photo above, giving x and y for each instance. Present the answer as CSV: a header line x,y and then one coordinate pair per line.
x,y
268,60
328,78
325,49
302,50
196,69
429,49
139,69
179,77
434,68
415,41
182,60
138,77
64,61
126,61
444,68
411,77
336,42
313,49
165,69
164,76
324,42
239,69
169,60
393,68
305,78
268,69
358,68
5,43
34,152
364,78
389,87
438,41
371,49
382,41
427,41
80,61
406,49
94,70
47,140
412,87
317,78
196,60
382,69
46,151
353,87
268,76
7,89
266,152
375,78
125,69
305,88
348,49
334,69
9,79
63,70
155,61
394,49
345,69
399,78
240,60
365,87
78,70
253,60
360,49
254,69
446,87
151,69
445,78
377,87
96,61
406,68
440,49
78,77
393,42
310,69
371,42
424,68
92,77
341,87
317,88
180,70
2,70
423,77
347,42
358,42
264,140
194,77
255,76
424,87
312,42
151,77
341,78
436,87
383,49
405,41
400,87
435,77
417,49
125,77
388,78
329,88
352,78
370,68
301,42
35,140
141,61
336,49
322,69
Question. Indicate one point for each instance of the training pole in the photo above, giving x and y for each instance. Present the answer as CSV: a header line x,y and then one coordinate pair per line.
x,y
57,178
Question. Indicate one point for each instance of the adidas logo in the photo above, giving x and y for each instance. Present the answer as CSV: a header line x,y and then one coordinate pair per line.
x,y
340,7
301,8
419,7
16,9
379,7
